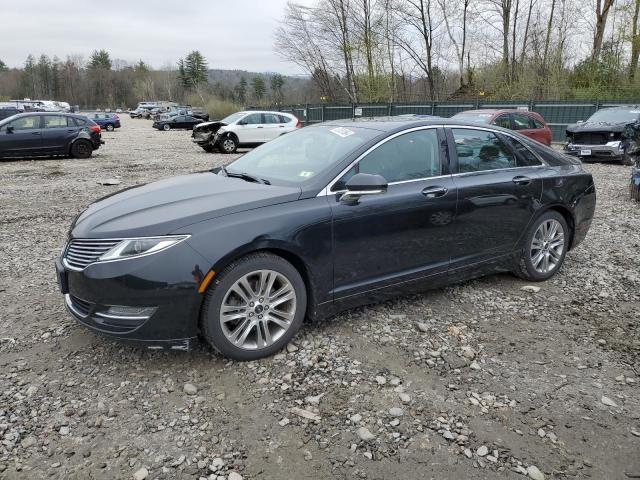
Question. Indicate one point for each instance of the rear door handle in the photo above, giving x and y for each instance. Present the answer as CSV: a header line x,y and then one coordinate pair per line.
x,y
36,133
521,180
434,192
260,127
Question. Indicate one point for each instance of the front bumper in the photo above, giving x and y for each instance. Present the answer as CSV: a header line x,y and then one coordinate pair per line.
x,y
611,150
164,284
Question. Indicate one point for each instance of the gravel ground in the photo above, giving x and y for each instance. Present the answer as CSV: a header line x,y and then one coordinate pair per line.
x,y
485,380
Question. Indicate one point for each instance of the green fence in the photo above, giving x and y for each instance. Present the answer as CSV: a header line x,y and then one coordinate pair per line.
x,y
557,113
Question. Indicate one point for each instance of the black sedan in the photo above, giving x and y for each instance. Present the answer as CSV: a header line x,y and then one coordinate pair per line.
x,y
38,134
180,121
319,220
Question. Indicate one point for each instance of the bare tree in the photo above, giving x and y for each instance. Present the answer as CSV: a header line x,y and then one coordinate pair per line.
x,y
635,41
602,12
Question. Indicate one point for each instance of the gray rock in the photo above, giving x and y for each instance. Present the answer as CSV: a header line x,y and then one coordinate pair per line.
x,y
422,327
365,435
608,402
482,451
530,289
190,389
356,418
141,474
380,380
234,476
534,473
396,412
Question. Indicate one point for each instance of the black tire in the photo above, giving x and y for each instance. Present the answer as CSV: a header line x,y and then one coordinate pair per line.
x,y
166,127
109,127
210,319
525,268
81,149
228,144
627,160
208,148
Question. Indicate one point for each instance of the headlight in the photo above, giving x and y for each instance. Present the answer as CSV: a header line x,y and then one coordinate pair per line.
x,y
136,247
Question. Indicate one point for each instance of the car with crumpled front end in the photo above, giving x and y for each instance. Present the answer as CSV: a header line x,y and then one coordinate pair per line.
x,y
609,134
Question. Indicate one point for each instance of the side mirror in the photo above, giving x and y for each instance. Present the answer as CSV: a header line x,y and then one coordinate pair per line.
x,y
363,184
9,129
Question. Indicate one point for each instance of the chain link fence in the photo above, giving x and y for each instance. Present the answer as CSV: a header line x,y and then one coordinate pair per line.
x,y
557,113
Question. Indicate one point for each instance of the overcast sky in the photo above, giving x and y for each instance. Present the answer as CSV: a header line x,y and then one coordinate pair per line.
x,y
232,34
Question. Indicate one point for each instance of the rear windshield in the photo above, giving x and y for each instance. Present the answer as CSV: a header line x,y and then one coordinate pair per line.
x,y
473,117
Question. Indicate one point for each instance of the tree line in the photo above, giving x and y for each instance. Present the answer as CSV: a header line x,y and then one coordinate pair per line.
x,y
401,50
101,82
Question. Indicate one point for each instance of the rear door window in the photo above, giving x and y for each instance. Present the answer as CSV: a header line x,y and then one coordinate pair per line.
x,y
480,150
271,118
521,122
524,156
55,121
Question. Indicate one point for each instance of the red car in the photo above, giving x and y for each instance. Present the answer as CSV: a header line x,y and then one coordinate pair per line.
x,y
527,123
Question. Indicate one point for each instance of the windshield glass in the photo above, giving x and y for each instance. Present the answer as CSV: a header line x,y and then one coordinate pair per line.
x,y
473,117
234,117
614,116
301,155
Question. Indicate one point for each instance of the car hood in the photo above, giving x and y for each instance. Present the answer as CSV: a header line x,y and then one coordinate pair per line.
x,y
597,127
212,126
162,207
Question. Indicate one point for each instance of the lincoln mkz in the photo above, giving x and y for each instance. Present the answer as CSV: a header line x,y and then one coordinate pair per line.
x,y
322,219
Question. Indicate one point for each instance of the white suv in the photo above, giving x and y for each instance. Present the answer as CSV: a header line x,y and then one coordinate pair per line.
x,y
243,129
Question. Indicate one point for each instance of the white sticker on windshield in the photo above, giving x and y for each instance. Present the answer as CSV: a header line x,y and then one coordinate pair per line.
x,y
634,111
342,132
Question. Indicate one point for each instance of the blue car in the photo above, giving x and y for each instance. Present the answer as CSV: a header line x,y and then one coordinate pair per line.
x,y
108,121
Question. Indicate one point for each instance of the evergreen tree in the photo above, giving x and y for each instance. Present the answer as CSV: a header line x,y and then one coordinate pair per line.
x,y
240,91
3,67
100,60
277,82
258,87
196,70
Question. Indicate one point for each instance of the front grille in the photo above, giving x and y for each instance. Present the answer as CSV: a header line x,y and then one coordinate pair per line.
x,y
591,138
82,252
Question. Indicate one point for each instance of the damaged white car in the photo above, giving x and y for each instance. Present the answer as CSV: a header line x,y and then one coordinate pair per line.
x,y
243,129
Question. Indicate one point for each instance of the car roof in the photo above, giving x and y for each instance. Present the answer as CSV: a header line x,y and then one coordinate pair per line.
x,y
390,124
621,107
498,110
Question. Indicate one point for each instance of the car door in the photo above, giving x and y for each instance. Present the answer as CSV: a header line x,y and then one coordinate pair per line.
x,y
273,127
400,238
524,125
22,136
57,133
498,194
250,129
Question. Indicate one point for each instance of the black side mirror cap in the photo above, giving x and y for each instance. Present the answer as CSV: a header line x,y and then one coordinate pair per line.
x,y
364,182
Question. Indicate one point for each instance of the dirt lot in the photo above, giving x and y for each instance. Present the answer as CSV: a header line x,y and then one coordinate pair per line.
x,y
483,380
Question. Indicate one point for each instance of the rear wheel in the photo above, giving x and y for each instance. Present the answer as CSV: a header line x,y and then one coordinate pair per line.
x,y
166,127
81,149
545,247
255,307
626,159
229,144
109,127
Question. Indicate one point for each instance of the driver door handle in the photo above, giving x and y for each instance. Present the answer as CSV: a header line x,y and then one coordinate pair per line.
x,y
521,180
434,192
36,133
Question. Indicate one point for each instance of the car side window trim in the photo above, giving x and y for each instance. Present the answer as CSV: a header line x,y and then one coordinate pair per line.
x,y
327,189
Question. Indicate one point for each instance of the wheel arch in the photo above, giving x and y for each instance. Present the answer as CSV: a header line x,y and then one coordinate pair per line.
x,y
568,216
283,251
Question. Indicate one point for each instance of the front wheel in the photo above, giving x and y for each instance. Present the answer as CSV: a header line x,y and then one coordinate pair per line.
x,y
228,144
166,127
254,308
109,127
545,247
81,149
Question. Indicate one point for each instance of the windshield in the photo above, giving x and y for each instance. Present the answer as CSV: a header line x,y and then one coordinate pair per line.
x,y
234,117
473,117
614,116
302,155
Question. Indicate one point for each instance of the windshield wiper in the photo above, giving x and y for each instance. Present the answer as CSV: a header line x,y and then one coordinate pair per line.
x,y
245,176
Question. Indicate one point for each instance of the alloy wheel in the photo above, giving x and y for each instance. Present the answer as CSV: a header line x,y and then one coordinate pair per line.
x,y
258,309
228,145
547,246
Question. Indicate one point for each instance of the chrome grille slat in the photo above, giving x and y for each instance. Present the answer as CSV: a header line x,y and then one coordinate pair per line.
x,y
83,252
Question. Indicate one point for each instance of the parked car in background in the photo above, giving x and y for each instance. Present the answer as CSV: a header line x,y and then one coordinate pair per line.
x,y
38,134
609,134
179,121
530,124
6,112
323,219
107,121
243,129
